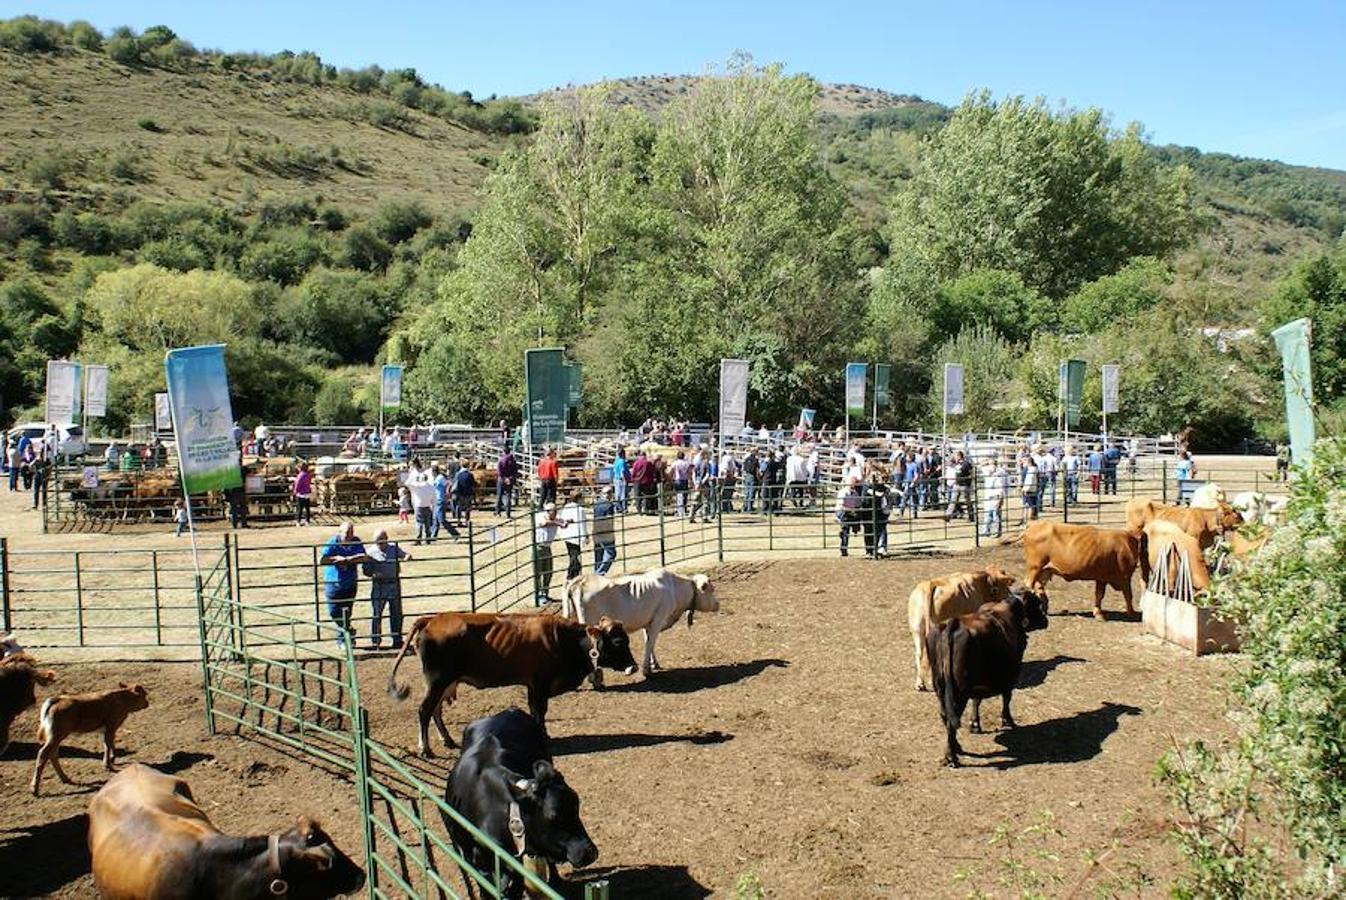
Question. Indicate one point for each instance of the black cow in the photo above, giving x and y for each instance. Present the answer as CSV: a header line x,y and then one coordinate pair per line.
x,y
979,655
505,785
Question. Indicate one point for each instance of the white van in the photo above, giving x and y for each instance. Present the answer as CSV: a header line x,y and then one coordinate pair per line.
x,y
72,441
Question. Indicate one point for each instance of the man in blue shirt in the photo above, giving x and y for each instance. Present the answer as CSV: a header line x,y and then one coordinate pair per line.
x,y
342,556
1112,457
604,535
441,483
1095,468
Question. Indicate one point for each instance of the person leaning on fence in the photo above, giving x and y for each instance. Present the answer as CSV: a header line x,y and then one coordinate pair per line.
x,y
303,495
341,556
848,510
506,472
959,477
681,470
1185,468
574,533
464,493
1112,458
441,480
882,508
383,568
751,472
728,481
1070,469
996,479
546,525
604,531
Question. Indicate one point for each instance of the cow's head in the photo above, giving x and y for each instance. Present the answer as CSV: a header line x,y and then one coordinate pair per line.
x,y
705,600
136,695
613,645
1228,518
550,810
1029,608
313,866
999,582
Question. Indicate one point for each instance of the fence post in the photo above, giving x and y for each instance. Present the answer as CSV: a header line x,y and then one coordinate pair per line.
x,y
532,555
662,544
317,603
471,566
79,601
770,519
205,655
719,521
4,585
158,613
972,502
1164,471
596,890
360,736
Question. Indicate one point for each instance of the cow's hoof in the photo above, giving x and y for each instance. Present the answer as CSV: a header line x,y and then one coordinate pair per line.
x,y
1098,614
952,762
921,687
426,753
1007,724
975,728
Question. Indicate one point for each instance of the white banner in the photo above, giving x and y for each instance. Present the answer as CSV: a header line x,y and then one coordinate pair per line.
x,y
163,418
391,392
953,389
733,395
63,392
1111,374
95,391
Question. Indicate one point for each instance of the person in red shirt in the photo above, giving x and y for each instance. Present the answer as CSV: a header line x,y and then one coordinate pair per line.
x,y
547,473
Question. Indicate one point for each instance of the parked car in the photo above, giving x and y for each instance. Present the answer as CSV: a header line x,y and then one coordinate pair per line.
x,y
72,442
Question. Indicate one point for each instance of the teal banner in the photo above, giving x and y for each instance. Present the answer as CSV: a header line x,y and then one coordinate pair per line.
x,y
1292,339
882,372
203,419
1074,385
574,385
547,378
855,388
390,388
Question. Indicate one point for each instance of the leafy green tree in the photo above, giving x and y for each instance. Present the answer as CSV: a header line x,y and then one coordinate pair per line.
x,y
364,250
283,259
344,313
997,299
988,361
1058,197
1317,290
399,220
150,309
1143,283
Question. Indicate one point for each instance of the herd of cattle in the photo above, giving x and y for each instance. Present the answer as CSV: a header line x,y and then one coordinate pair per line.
x,y
149,838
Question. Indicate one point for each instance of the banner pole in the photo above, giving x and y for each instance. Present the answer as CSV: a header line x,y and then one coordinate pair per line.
x,y
874,425
182,480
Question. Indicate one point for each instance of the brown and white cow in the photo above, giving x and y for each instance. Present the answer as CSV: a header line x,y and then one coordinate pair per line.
x,y
979,655
148,838
546,654
19,677
940,599
1106,556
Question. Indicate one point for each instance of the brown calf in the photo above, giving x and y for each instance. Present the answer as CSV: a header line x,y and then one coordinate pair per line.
x,y
65,715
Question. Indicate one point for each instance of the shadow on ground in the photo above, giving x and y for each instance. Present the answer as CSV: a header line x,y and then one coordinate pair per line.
x,y
41,859
598,743
1034,671
1066,739
647,882
688,681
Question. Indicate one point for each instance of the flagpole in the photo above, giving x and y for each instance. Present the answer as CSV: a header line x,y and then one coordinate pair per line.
x,y
182,479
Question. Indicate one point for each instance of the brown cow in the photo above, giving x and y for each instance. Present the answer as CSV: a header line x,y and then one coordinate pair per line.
x,y
546,654
940,599
1105,556
1165,537
149,838
69,714
978,655
1203,524
19,675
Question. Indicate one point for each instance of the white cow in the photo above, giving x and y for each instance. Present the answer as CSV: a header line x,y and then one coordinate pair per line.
x,y
1208,496
653,602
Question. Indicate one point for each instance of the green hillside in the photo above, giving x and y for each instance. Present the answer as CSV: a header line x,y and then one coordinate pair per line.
x,y
334,205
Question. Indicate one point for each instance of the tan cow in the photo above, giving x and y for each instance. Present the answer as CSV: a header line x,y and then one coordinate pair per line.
x,y
1106,556
1203,524
1164,537
940,599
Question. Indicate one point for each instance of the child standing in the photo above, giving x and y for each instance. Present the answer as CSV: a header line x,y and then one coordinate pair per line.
x,y
404,505
179,517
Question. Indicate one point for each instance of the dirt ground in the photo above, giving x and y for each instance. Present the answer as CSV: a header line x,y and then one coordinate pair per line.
x,y
785,740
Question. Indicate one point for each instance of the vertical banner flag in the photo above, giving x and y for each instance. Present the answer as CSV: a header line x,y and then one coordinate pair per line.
x,y
1110,378
806,417
953,389
882,372
63,392
198,398
855,388
733,395
95,391
574,384
390,392
163,419
1292,339
1074,372
548,384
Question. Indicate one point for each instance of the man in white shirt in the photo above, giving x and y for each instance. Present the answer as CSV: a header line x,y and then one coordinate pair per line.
x,y
796,476
546,526
422,489
574,531
1070,469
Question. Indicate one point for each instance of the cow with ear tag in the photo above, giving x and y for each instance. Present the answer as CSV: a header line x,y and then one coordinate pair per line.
x,y
505,785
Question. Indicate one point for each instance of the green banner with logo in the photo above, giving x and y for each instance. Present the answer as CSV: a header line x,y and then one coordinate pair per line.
x,y
547,377
1292,339
574,384
1074,385
882,372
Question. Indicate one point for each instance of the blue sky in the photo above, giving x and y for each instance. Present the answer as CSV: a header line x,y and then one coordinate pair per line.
x,y
1256,79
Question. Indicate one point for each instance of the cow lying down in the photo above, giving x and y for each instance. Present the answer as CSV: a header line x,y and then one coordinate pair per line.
x,y
979,655
149,838
653,602
505,785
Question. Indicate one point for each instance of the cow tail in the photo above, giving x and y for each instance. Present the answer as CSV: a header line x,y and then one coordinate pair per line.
x,y
400,692
44,720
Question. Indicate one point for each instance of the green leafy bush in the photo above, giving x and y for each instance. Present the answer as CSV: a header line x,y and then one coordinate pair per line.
x,y
1284,779
123,47
85,36
399,220
29,34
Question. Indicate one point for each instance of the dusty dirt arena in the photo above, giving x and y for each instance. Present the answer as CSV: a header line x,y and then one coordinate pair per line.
x,y
784,740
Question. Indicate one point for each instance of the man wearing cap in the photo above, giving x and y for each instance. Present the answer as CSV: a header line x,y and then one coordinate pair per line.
x,y
604,532
383,568
545,528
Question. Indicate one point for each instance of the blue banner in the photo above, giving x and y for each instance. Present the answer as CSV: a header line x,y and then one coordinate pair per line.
x,y
1292,339
203,419
390,392
856,376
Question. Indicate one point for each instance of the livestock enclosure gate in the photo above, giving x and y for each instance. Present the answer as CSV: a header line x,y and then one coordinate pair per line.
x,y
270,671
